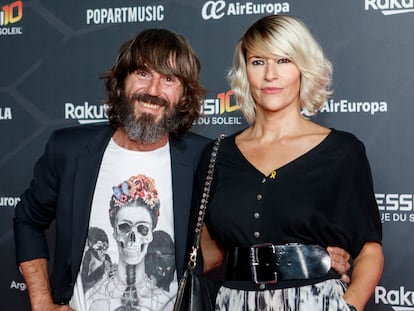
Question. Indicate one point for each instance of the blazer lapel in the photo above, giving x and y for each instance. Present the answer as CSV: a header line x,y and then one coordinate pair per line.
x,y
182,181
86,173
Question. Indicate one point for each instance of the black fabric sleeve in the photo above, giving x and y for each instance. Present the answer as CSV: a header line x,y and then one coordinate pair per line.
x,y
36,210
356,204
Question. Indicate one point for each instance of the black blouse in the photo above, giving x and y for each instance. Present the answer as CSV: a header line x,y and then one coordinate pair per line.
x,y
323,197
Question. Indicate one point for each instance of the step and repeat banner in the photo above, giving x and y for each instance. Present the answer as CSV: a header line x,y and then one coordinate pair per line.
x,y
53,52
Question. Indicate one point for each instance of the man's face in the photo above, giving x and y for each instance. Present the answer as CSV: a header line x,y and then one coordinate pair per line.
x,y
165,91
148,111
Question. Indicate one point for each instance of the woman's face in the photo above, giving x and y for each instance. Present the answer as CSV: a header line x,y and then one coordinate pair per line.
x,y
274,82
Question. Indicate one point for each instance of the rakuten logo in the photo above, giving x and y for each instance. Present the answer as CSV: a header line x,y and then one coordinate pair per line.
x,y
86,113
390,7
399,299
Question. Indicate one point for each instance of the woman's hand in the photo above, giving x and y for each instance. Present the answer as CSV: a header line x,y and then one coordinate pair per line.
x,y
213,254
366,272
340,261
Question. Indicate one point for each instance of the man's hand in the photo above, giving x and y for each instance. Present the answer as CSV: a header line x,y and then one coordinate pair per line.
x,y
340,261
37,280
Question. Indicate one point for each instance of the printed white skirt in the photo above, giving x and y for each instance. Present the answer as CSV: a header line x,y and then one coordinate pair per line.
x,y
324,296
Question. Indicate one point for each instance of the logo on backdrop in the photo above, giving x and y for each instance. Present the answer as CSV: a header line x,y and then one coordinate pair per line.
x,y
18,286
395,207
5,113
390,7
213,110
9,201
86,113
344,105
218,9
10,14
123,15
400,299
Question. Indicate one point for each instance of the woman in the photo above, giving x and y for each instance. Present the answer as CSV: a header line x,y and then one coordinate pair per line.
x,y
287,180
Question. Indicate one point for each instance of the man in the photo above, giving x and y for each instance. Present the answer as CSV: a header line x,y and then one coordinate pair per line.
x,y
154,96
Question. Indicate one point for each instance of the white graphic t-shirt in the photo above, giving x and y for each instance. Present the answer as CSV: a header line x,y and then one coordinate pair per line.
x,y
129,256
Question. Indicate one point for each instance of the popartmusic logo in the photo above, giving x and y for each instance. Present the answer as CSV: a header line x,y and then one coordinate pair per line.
x,y
11,13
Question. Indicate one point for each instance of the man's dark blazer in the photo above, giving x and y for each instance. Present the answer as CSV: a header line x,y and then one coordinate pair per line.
x,y
62,190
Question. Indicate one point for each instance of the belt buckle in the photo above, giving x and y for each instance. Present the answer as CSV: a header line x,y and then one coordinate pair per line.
x,y
255,262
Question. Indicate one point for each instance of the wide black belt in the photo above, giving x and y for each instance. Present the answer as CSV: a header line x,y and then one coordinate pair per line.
x,y
268,263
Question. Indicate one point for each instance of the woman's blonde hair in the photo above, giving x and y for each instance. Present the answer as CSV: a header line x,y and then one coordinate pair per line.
x,y
285,36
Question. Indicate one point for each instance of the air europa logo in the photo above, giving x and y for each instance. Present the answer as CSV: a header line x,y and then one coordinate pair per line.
x,y
9,201
218,9
9,15
390,7
344,105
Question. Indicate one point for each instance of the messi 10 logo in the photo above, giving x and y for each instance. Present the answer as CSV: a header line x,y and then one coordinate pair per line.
x,y
219,105
11,13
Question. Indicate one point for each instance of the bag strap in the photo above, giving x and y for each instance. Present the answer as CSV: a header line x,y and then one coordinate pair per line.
x,y
203,204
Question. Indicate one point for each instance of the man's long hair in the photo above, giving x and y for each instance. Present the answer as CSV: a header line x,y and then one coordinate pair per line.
x,y
165,52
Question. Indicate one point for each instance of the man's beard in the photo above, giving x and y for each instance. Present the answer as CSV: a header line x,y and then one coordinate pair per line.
x,y
144,128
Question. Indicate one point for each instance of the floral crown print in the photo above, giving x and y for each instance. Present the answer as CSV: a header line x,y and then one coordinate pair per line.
x,y
138,189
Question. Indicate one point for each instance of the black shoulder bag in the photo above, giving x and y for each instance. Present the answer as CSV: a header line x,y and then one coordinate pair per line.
x,y
196,292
